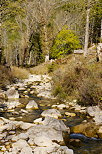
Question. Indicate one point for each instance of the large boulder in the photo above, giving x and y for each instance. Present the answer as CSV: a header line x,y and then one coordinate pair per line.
x,y
53,150
22,147
96,113
56,124
44,132
49,133
89,129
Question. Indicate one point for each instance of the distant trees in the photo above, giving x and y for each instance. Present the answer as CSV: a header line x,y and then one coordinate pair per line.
x,y
93,23
13,28
29,27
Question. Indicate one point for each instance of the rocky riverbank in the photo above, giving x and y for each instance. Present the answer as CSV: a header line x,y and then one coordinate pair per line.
x,y
47,132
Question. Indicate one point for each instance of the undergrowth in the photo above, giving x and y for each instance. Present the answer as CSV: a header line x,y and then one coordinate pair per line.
x,y
80,80
20,73
5,77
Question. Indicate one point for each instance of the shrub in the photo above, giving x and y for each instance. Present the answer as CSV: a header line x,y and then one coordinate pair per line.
x,y
51,67
5,77
81,81
20,73
40,69
65,42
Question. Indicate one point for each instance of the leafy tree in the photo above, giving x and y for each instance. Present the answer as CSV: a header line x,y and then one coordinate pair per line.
x,y
95,21
65,42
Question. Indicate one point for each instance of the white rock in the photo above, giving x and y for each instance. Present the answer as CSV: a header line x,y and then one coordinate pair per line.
x,y
23,136
96,113
21,145
25,126
21,89
31,142
12,104
24,111
12,93
51,132
32,105
70,114
51,113
53,150
98,119
74,101
54,106
55,123
66,150
43,140
2,148
93,110
3,135
38,121
61,106
14,138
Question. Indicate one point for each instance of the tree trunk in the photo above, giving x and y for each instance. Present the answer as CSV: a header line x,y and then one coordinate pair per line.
x,y
101,30
87,30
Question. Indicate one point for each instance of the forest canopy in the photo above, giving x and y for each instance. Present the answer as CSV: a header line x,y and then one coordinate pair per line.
x,y
31,29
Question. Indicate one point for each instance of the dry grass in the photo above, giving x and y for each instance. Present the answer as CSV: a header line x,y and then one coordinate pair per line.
x,y
79,79
40,69
20,73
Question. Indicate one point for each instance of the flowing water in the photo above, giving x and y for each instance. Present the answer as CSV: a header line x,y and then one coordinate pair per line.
x,y
79,143
85,146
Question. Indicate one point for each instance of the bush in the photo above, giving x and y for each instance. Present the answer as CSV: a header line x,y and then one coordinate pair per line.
x,y
40,69
5,77
20,73
51,67
65,42
81,81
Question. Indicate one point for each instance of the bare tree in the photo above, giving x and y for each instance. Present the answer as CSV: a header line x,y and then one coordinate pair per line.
x,y
87,29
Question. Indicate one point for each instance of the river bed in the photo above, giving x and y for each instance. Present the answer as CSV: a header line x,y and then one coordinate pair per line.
x,y
79,145
83,147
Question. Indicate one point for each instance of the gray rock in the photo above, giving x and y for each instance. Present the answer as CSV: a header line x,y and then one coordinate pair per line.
x,y
32,105
24,125
44,140
21,145
38,121
61,106
96,113
93,110
56,124
23,136
12,104
51,113
3,135
53,150
12,93
49,133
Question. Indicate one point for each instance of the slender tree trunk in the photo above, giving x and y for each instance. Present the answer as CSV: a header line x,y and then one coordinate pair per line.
x,y
87,30
101,30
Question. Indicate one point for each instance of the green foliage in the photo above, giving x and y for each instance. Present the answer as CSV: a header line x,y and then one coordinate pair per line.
x,y
35,48
12,19
65,42
51,67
